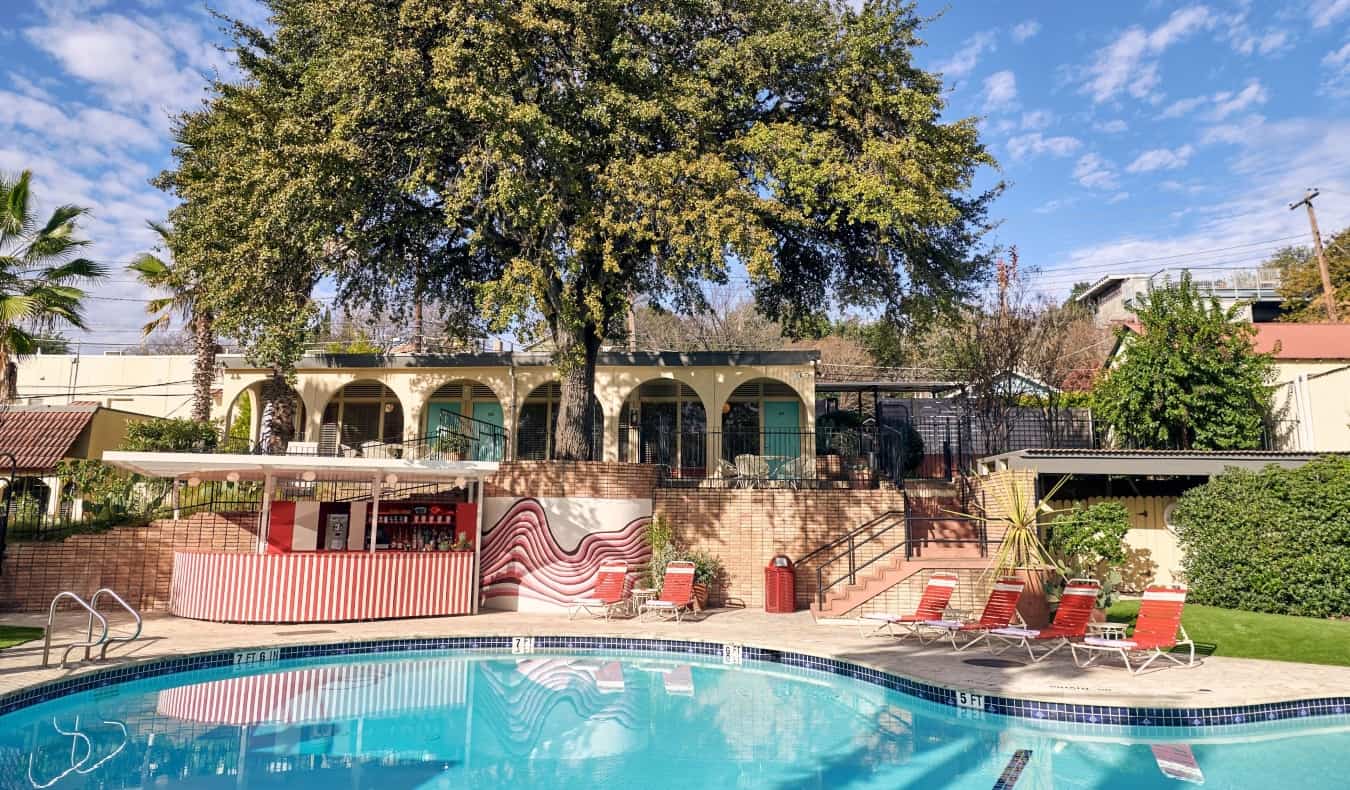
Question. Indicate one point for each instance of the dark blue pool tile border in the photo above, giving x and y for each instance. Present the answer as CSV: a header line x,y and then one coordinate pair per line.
x,y
1092,717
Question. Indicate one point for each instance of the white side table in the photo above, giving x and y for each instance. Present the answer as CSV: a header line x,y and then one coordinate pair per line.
x,y
642,595
1113,631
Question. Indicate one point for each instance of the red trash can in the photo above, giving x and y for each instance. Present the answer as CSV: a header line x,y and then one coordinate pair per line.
x,y
780,586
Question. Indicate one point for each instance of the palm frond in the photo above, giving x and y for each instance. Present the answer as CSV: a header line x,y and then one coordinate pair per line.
x,y
62,221
78,269
16,307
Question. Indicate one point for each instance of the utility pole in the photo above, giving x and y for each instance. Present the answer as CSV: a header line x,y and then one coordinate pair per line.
x,y
1328,293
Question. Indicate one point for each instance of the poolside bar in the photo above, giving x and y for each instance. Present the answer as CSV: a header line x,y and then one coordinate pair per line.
x,y
323,558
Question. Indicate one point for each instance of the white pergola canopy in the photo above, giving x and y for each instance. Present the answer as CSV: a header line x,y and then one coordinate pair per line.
x,y
220,466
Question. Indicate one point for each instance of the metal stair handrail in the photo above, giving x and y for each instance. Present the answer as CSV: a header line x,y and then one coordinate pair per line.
x,y
89,640
108,639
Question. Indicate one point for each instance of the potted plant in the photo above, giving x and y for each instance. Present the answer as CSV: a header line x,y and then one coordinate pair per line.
x,y
708,568
708,571
453,446
1021,552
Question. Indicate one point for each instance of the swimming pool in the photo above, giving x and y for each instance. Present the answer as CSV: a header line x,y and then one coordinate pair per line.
x,y
583,718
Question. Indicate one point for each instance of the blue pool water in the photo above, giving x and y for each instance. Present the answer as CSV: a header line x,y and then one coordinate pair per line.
x,y
590,719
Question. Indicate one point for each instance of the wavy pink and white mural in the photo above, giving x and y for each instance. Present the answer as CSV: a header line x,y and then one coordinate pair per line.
x,y
541,553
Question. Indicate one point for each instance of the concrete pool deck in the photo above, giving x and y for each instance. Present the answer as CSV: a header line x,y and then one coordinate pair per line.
x,y
1212,682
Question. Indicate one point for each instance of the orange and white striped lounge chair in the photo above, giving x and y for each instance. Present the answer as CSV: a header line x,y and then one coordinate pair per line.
x,y
610,592
1071,621
999,612
677,593
937,593
1157,630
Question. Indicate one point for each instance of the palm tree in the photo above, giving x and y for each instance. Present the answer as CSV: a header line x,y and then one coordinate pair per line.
x,y
39,275
184,300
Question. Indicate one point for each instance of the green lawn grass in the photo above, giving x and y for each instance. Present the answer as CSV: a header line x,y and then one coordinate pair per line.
x,y
11,635
1228,632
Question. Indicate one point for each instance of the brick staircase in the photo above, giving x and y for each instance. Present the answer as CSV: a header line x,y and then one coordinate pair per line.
x,y
892,549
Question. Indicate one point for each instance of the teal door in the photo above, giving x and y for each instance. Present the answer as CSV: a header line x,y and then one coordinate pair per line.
x,y
782,433
434,412
490,443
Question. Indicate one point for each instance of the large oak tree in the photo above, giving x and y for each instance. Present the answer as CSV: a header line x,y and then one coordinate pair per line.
x,y
577,154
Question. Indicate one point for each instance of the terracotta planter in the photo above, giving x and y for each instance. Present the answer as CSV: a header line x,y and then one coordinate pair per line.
x,y
1032,605
701,596
860,478
1098,616
830,467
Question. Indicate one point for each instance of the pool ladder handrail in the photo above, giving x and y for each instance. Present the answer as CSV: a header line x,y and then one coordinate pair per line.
x,y
107,640
89,639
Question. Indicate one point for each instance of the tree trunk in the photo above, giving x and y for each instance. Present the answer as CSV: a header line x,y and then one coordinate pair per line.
x,y
577,351
419,336
281,428
204,366
9,378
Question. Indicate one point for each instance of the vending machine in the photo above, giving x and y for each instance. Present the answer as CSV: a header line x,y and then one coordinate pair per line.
x,y
335,531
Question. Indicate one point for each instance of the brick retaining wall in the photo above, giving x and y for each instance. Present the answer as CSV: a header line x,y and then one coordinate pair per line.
x,y
746,527
572,478
136,562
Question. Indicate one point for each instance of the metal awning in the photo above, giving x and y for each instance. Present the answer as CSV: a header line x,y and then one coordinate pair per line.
x,y
220,466
1151,463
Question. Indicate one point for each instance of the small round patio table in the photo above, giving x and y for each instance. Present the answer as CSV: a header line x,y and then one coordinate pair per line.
x,y
1107,630
642,595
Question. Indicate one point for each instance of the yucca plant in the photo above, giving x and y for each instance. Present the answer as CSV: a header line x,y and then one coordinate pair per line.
x,y
1021,547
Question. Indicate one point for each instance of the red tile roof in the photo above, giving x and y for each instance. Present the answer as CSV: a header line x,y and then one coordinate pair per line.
x,y
1304,341
40,436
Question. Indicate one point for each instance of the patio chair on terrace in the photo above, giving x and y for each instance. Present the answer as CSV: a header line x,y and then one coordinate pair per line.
x,y
1157,630
937,593
609,593
1071,621
999,612
677,593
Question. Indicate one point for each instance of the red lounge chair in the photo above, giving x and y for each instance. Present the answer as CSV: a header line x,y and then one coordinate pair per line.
x,y
677,593
1155,633
936,594
999,612
609,593
1071,621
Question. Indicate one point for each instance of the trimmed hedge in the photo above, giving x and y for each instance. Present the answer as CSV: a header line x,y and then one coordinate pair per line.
x,y
1272,541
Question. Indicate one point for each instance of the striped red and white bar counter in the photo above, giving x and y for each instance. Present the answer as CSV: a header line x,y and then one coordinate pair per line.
x,y
321,587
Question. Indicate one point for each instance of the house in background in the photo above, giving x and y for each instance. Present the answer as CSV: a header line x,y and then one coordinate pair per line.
x,y
1257,291
41,437
1312,390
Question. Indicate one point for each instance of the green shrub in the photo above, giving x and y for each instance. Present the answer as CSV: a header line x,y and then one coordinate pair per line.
x,y
170,436
1272,541
1089,542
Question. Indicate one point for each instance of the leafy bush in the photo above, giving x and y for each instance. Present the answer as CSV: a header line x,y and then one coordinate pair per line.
x,y
708,569
1090,542
1271,541
911,447
170,436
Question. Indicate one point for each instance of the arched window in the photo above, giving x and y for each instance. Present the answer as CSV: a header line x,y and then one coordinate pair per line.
x,y
363,412
539,415
664,422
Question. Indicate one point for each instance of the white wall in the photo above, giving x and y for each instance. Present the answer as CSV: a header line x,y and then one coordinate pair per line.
x,y
160,385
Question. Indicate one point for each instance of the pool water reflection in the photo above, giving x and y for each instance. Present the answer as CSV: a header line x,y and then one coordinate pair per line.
x,y
590,719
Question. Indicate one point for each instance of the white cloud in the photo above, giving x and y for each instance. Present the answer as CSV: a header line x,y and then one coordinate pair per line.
x,y
1035,144
1037,119
1094,172
1115,126
1117,198
1336,64
1221,104
1025,30
965,59
1051,206
1326,12
1130,64
1000,91
1161,159
1273,164
1232,133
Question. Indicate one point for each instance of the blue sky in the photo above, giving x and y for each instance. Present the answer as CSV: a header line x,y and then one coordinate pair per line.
x,y
1134,136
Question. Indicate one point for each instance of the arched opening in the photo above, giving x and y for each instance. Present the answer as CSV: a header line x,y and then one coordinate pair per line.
x,y
470,409
764,432
539,416
241,421
28,502
664,422
361,414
